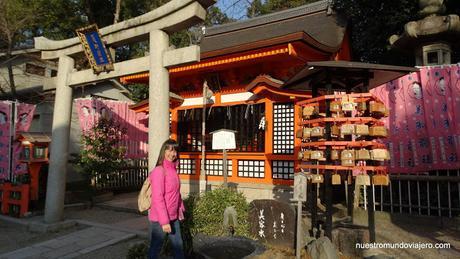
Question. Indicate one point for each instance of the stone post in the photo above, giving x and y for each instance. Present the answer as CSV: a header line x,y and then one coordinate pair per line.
x,y
158,95
59,150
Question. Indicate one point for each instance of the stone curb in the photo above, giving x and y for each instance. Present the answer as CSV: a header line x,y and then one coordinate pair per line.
x,y
23,223
42,227
116,208
107,243
36,226
141,234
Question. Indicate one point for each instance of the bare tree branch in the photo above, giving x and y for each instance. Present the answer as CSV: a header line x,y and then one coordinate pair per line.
x,y
116,17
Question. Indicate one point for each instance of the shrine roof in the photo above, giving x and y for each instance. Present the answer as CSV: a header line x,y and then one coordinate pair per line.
x,y
315,24
267,86
344,75
266,79
143,106
35,137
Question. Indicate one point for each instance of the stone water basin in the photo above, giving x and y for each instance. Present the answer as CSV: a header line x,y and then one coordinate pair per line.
x,y
209,247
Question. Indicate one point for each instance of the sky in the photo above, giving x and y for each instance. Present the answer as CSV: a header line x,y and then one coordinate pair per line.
x,y
234,8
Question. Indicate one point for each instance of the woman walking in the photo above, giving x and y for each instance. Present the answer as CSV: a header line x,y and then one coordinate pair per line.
x,y
167,206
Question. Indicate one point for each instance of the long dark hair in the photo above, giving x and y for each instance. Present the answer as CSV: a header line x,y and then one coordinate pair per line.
x,y
168,144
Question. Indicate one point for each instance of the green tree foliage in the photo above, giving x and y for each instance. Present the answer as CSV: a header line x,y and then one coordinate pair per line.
x,y
259,7
63,17
102,155
60,19
372,23
453,7
214,16
16,19
138,92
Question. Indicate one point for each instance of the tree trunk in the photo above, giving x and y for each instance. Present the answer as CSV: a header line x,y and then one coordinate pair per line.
x,y
116,19
10,72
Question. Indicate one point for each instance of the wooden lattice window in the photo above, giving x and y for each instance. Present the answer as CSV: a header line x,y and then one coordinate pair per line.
x,y
251,168
283,170
244,119
283,128
187,166
189,130
216,167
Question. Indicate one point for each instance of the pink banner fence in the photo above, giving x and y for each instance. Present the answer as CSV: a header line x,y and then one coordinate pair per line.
x,y
90,110
19,116
424,119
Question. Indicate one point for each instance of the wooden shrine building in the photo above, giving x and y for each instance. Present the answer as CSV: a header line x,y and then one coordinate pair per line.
x,y
245,63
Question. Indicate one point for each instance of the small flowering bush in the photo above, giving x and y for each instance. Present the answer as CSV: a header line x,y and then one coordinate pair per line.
x,y
102,153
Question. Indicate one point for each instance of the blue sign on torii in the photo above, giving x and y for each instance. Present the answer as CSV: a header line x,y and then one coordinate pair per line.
x,y
94,48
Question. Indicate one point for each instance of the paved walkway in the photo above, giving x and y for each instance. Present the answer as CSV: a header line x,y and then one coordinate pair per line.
x,y
72,245
124,202
96,236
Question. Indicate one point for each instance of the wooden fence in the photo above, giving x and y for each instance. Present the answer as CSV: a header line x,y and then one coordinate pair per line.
x,y
129,178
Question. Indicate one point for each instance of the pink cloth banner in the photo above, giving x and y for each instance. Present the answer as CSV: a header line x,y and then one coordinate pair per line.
x,y
19,167
454,106
25,114
90,110
5,125
424,119
22,122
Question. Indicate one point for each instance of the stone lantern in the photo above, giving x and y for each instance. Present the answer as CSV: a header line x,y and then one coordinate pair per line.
x,y
430,39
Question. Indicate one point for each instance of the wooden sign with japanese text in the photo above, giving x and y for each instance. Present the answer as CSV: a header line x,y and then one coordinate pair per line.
x,y
272,221
95,50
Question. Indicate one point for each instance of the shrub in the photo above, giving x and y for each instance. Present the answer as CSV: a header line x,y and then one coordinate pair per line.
x,y
188,225
138,251
102,154
208,213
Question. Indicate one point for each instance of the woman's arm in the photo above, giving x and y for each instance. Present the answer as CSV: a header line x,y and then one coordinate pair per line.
x,y
158,195
181,208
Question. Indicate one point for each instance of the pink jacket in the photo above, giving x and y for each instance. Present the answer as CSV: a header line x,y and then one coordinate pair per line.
x,y
167,202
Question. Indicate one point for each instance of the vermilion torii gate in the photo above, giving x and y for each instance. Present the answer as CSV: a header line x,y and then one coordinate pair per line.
x,y
154,26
